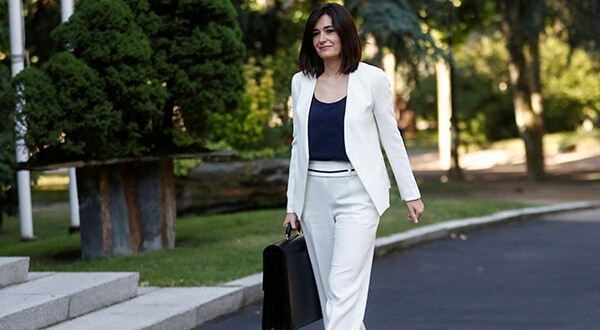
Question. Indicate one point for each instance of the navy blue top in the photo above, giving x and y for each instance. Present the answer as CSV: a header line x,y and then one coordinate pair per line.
x,y
326,130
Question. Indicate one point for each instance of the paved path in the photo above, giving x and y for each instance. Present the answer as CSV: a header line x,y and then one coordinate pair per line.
x,y
541,274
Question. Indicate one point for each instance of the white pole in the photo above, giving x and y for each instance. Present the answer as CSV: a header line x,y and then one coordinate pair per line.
x,y
66,7
73,199
17,51
66,12
444,105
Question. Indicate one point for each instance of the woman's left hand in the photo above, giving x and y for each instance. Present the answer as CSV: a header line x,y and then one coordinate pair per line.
x,y
415,210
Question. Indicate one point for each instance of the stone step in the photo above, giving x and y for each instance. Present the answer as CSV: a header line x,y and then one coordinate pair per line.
x,y
179,308
13,270
49,298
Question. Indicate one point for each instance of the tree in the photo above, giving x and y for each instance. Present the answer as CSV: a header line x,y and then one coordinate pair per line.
x,y
41,17
8,203
571,86
522,24
578,25
395,25
130,82
8,199
198,53
579,22
104,66
244,128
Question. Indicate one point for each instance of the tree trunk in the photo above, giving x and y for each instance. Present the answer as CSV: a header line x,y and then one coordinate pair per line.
x,y
522,25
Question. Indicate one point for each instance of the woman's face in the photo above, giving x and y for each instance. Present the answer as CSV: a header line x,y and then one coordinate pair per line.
x,y
326,40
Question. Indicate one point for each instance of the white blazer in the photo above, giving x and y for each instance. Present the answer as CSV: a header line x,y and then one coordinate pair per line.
x,y
369,120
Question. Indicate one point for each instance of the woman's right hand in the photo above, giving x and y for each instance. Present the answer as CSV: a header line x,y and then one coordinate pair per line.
x,y
292,219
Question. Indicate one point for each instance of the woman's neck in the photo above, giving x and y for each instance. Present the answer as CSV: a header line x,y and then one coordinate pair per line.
x,y
332,69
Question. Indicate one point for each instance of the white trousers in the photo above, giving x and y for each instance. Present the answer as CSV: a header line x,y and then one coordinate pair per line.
x,y
340,223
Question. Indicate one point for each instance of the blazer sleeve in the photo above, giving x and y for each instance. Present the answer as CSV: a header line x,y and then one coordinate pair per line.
x,y
391,138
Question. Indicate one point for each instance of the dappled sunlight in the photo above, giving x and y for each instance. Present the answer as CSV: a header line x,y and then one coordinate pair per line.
x,y
582,155
53,181
486,159
478,160
575,158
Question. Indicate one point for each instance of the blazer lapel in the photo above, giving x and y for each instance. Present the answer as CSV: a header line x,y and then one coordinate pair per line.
x,y
305,99
351,91
306,93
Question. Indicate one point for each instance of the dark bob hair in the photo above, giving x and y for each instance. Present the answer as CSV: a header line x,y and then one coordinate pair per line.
x,y
310,63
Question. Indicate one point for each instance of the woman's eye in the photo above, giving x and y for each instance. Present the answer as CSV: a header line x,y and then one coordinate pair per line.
x,y
329,31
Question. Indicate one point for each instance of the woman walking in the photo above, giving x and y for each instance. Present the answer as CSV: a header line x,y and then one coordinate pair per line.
x,y
338,181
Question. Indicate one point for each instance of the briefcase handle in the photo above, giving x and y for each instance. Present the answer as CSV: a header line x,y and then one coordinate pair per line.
x,y
288,231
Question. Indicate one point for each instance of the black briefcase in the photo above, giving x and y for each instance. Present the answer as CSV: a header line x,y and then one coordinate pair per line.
x,y
291,299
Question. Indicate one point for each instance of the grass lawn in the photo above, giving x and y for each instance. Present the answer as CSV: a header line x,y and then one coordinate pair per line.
x,y
210,249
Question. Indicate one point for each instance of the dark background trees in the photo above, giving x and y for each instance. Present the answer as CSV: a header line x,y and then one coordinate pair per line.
x,y
8,194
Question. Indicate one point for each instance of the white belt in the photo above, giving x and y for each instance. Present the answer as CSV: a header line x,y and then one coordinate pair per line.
x,y
330,168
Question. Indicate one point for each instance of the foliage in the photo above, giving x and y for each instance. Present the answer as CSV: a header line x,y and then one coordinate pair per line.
x,y
184,45
198,53
272,34
484,107
8,199
244,128
396,26
66,108
88,118
570,86
103,35
182,167
122,85
481,85
106,62
483,115
4,30
454,21
578,22
483,104
40,108
41,17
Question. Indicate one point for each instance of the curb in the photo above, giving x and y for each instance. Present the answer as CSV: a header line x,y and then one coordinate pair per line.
x,y
250,287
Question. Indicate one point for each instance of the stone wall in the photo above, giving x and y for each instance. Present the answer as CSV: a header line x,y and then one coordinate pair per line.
x,y
233,186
